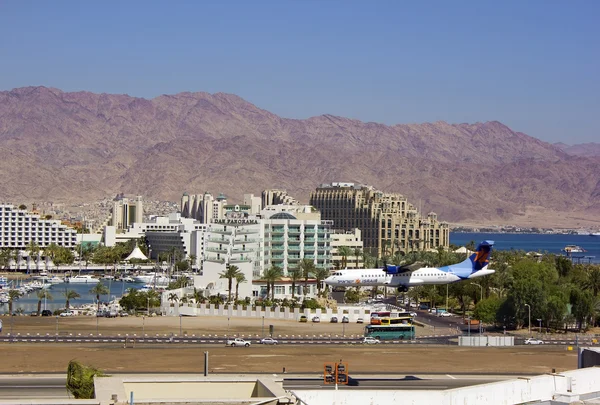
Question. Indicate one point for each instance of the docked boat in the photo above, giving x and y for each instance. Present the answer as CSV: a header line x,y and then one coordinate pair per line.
x,y
595,234
81,279
573,249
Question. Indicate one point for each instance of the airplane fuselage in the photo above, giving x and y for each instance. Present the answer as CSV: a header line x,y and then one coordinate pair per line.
x,y
377,277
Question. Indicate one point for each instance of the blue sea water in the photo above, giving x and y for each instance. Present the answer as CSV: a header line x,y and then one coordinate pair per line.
x,y
29,302
544,243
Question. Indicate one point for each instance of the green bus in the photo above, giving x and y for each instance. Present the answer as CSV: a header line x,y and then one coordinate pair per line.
x,y
391,332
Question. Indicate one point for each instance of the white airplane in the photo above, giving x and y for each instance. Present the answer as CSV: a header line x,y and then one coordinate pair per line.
x,y
403,277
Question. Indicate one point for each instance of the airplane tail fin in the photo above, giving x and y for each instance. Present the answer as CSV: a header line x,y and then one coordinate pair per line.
x,y
481,258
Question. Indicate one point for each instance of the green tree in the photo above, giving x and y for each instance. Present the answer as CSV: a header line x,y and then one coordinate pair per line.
x,y
239,278
229,274
80,380
5,258
556,309
582,306
98,290
352,296
70,295
173,297
592,279
486,310
294,274
343,251
198,296
357,252
271,275
307,268
320,275
13,295
33,251
42,294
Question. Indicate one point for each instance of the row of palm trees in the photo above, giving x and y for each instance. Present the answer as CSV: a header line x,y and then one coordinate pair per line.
x,y
306,269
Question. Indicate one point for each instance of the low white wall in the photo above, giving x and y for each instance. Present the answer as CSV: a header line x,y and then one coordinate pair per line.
x,y
486,341
268,313
571,384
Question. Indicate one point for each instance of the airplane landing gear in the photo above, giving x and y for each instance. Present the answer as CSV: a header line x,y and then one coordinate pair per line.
x,y
403,289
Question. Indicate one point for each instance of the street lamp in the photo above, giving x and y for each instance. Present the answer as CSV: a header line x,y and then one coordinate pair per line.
x,y
479,285
529,317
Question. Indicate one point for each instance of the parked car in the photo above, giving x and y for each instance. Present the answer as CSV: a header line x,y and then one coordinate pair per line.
x,y
123,313
238,342
268,341
370,340
360,320
67,313
532,341
444,314
316,319
34,313
345,319
46,312
333,319
303,318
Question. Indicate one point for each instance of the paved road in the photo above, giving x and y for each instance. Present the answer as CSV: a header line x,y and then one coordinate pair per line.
x,y
406,383
33,387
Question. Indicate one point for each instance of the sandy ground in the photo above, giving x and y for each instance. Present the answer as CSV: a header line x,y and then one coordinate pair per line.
x,y
190,325
24,358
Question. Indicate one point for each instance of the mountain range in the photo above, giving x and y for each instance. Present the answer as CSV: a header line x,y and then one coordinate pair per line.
x,y
81,146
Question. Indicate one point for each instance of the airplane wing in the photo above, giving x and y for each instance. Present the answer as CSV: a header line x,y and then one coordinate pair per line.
x,y
391,269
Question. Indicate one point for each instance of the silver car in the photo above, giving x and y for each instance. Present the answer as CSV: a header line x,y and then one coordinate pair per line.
x,y
268,341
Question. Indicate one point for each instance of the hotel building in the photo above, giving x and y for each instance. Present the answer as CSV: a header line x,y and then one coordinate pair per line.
x,y
388,222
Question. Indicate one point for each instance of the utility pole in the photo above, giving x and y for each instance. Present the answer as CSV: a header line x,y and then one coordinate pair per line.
x,y
529,317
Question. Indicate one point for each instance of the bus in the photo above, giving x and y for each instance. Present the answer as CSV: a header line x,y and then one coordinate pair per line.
x,y
376,317
391,332
401,320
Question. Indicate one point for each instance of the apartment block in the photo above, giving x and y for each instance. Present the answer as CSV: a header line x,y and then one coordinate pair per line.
x,y
352,240
294,234
388,222
126,212
18,228
203,207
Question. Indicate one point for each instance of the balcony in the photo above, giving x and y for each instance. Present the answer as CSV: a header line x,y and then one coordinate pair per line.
x,y
277,248
240,260
294,231
277,257
279,239
293,259
294,241
245,231
210,258
309,248
309,240
310,257
216,250
218,240
220,231
293,249
242,241
240,250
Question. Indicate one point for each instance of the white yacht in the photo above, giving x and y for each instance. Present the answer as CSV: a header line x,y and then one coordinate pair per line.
x,y
81,279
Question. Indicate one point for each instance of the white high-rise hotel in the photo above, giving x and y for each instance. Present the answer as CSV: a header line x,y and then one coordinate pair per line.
x,y
18,228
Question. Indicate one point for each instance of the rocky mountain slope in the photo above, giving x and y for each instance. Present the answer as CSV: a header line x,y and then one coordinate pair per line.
x,y
82,146
581,149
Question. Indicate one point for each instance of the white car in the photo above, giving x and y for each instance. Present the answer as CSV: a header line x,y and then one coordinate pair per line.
x,y
238,342
444,314
268,341
532,341
67,313
316,319
369,340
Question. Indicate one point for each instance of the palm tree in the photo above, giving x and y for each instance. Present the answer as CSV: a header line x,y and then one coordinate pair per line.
x,y
320,274
42,294
344,251
13,295
294,274
198,296
192,259
229,274
592,281
273,274
173,297
70,295
98,290
357,253
239,278
33,250
307,268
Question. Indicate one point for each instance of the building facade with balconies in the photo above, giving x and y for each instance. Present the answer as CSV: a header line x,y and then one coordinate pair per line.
x,y
288,239
388,222
19,228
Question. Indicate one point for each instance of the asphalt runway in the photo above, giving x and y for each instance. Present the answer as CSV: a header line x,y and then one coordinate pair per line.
x,y
33,387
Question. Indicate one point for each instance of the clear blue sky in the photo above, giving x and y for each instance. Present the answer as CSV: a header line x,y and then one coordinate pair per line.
x,y
533,65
